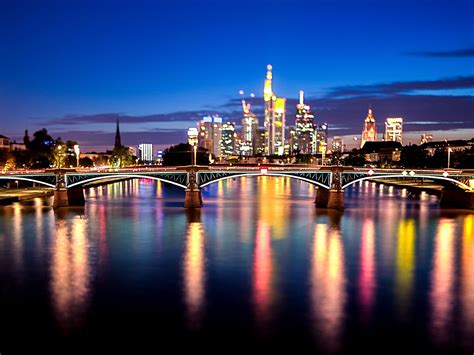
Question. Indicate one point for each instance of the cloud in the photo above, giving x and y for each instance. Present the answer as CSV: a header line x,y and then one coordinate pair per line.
x,y
458,53
402,87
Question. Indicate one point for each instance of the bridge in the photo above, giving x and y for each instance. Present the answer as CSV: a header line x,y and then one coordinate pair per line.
x,y
331,181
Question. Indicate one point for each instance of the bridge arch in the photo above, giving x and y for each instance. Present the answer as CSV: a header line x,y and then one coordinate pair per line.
x,y
131,176
455,182
253,174
26,179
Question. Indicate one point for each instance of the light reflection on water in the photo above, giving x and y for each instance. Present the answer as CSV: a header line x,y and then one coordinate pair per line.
x,y
257,258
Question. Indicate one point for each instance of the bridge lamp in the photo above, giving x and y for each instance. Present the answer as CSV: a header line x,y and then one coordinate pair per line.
x,y
404,173
445,174
371,172
412,173
264,171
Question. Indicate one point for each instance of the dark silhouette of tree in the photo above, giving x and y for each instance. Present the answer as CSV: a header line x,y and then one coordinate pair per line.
x,y
182,154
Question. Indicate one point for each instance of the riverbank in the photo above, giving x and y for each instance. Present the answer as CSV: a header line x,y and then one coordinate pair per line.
x,y
412,185
9,196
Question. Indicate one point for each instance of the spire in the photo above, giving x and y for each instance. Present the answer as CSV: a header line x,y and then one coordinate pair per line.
x,y
301,97
267,89
118,141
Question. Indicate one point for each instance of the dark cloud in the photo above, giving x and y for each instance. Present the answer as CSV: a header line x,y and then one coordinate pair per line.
x,y
403,87
458,53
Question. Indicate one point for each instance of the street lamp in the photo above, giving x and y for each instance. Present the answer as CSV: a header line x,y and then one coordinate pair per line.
x,y
59,156
449,156
193,140
77,151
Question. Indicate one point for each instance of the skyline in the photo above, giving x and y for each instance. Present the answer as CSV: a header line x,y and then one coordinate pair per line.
x,y
121,72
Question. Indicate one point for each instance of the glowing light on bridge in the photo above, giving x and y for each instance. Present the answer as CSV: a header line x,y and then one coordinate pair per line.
x,y
263,171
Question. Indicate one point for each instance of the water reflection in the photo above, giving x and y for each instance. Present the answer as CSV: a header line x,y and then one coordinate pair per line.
x,y
262,274
442,281
194,271
405,265
328,281
467,277
367,268
70,273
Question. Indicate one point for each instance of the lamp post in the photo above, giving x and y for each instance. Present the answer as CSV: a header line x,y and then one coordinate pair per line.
x,y
193,140
449,156
77,151
59,156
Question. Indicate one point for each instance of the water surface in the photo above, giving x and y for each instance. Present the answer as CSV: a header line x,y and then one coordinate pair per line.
x,y
259,267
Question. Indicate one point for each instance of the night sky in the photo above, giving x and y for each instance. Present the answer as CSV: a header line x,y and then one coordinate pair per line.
x,y
75,66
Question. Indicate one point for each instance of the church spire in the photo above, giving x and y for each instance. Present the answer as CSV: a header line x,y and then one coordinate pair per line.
x,y
118,141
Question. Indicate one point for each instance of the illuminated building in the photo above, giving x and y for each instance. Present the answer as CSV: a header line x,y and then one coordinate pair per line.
x,y
260,142
369,132
274,118
146,152
248,145
322,138
210,134
304,128
426,137
4,143
292,141
337,144
228,139
393,129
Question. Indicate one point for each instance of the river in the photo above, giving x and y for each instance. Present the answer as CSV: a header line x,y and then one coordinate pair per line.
x,y
259,267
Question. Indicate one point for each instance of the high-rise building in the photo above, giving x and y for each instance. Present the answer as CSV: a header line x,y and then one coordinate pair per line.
x,y
304,128
337,144
192,136
228,139
369,132
322,138
393,129
261,141
210,134
275,112
146,152
248,142
426,138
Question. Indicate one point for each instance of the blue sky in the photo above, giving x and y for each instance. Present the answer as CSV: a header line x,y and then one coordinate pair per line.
x,y
75,66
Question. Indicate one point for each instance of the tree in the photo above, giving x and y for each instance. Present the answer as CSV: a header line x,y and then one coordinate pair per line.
x,y
86,162
182,154
40,149
121,157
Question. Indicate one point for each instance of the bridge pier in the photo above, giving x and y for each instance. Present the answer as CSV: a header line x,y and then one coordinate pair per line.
x,y
457,199
64,197
193,197
331,199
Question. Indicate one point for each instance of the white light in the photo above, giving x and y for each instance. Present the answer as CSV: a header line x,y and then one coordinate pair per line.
x,y
412,173
264,171
404,173
371,172
445,174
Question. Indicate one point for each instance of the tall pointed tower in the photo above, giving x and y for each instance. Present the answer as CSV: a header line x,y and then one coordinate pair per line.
x,y
118,140
369,132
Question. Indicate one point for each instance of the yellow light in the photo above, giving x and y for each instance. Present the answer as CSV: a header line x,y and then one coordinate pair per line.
x,y
471,183
280,105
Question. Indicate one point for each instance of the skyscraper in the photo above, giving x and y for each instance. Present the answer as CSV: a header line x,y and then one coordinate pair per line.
x,y
337,144
304,128
275,112
369,131
210,134
248,146
393,129
228,139
118,139
322,138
